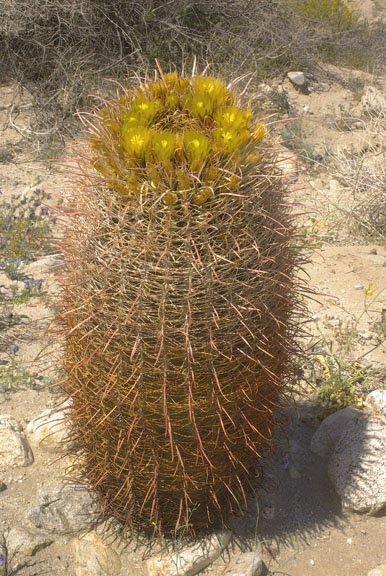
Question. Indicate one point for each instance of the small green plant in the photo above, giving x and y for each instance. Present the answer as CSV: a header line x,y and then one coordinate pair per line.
x,y
292,138
24,229
15,376
344,380
31,288
335,13
12,267
5,156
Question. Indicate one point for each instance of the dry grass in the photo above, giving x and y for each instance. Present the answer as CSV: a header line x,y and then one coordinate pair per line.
x,y
365,175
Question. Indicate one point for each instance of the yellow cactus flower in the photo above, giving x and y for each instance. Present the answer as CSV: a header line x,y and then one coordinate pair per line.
x,y
172,101
234,182
196,145
227,140
136,140
175,83
259,132
183,180
213,88
200,105
164,145
212,174
145,109
132,119
232,117
202,196
169,198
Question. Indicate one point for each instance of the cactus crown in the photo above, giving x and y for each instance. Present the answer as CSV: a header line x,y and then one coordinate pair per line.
x,y
172,136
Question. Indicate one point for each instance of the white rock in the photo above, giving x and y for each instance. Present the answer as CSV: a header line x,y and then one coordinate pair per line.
x,y
377,400
331,429
373,101
48,429
26,542
190,560
14,448
357,467
94,557
246,564
64,509
297,78
379,571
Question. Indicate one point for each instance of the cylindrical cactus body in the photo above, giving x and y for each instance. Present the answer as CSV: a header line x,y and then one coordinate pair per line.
x,y
179,299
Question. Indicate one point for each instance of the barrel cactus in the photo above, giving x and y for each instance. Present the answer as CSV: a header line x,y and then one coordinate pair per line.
x,y
179,302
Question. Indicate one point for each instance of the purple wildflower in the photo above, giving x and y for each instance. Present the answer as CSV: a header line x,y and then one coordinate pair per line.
x,y
285,460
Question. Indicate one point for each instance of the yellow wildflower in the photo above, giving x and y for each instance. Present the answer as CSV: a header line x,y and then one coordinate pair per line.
x,y
371,289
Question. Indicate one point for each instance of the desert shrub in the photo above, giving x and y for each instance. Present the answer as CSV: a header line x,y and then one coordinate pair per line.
x,y
365,175
64,50
333,12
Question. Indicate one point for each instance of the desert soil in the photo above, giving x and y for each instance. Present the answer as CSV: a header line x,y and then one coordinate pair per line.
x,y
299,524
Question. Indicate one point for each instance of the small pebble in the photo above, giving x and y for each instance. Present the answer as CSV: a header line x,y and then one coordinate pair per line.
x,y
373,251
312,562
349,540
359,287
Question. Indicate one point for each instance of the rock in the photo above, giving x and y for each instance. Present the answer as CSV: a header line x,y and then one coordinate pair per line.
x,y
299,80
246,564
190,560
357,467
14,448
48,429
377,400
331,429
94,557
64,509
373,101
26,542
3,486
379,571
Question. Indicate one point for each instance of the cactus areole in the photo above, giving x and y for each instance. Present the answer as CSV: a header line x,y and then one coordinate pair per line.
x,y
179,303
